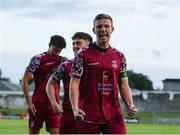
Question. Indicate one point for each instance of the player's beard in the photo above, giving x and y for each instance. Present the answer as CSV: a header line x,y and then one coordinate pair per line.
x,y
104,41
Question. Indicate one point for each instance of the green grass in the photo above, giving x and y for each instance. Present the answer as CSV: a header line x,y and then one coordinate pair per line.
x,y
153,129
12,126
9,126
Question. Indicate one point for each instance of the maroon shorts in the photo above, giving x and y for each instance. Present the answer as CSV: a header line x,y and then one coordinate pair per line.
x,y
117,126
68,125
44,112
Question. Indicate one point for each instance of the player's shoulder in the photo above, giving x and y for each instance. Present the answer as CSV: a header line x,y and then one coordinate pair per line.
x,y
39,56
118,52
67,62
63,58
83,50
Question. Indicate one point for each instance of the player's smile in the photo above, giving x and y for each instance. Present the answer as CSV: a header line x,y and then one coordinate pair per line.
x,y
101,35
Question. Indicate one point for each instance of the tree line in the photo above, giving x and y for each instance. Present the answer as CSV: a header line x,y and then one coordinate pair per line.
x,y
139,81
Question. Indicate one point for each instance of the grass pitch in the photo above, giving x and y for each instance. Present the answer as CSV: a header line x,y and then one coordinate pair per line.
x,y
10,126
13,126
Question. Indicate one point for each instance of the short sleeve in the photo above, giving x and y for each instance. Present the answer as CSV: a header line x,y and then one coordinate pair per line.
x,y
34,64
59,72
77,67
123,66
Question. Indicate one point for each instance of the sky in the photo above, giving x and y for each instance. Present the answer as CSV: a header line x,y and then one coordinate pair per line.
x,y
146,31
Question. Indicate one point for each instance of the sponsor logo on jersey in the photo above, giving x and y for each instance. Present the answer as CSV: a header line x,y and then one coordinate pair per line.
x,y
105,76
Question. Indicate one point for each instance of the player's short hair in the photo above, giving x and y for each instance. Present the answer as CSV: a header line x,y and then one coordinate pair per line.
x,y
103,16
57,41
82,35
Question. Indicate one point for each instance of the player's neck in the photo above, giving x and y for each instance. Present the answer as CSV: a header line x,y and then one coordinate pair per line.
x,y
94,45
102,45
49,52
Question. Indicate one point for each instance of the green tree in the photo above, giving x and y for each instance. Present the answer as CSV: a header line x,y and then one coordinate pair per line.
x,y
139,81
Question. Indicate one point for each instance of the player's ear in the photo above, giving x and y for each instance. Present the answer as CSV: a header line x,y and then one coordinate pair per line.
x,y
112,29
93,30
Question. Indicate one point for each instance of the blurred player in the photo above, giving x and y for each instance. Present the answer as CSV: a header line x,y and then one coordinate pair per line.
x,y
97,72
68,124
40,68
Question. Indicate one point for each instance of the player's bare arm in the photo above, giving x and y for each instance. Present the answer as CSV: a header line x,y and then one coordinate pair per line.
x,y
51,95
25,84
127,96
74,97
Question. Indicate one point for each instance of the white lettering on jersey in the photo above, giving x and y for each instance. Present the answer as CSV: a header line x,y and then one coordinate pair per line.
x,y
95,63
50,63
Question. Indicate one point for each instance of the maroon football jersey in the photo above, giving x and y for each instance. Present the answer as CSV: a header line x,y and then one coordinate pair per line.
x,y
62,72
99,81
42,66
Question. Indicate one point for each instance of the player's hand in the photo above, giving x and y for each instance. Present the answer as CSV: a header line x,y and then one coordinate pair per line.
x,y
57,108
132,110
79,114
31,107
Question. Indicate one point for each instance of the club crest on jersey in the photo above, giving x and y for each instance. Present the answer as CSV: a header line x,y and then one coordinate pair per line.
x,y
114,64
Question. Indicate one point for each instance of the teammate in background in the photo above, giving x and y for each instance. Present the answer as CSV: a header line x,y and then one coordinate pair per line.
x,y
68,124
40,68
97,72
